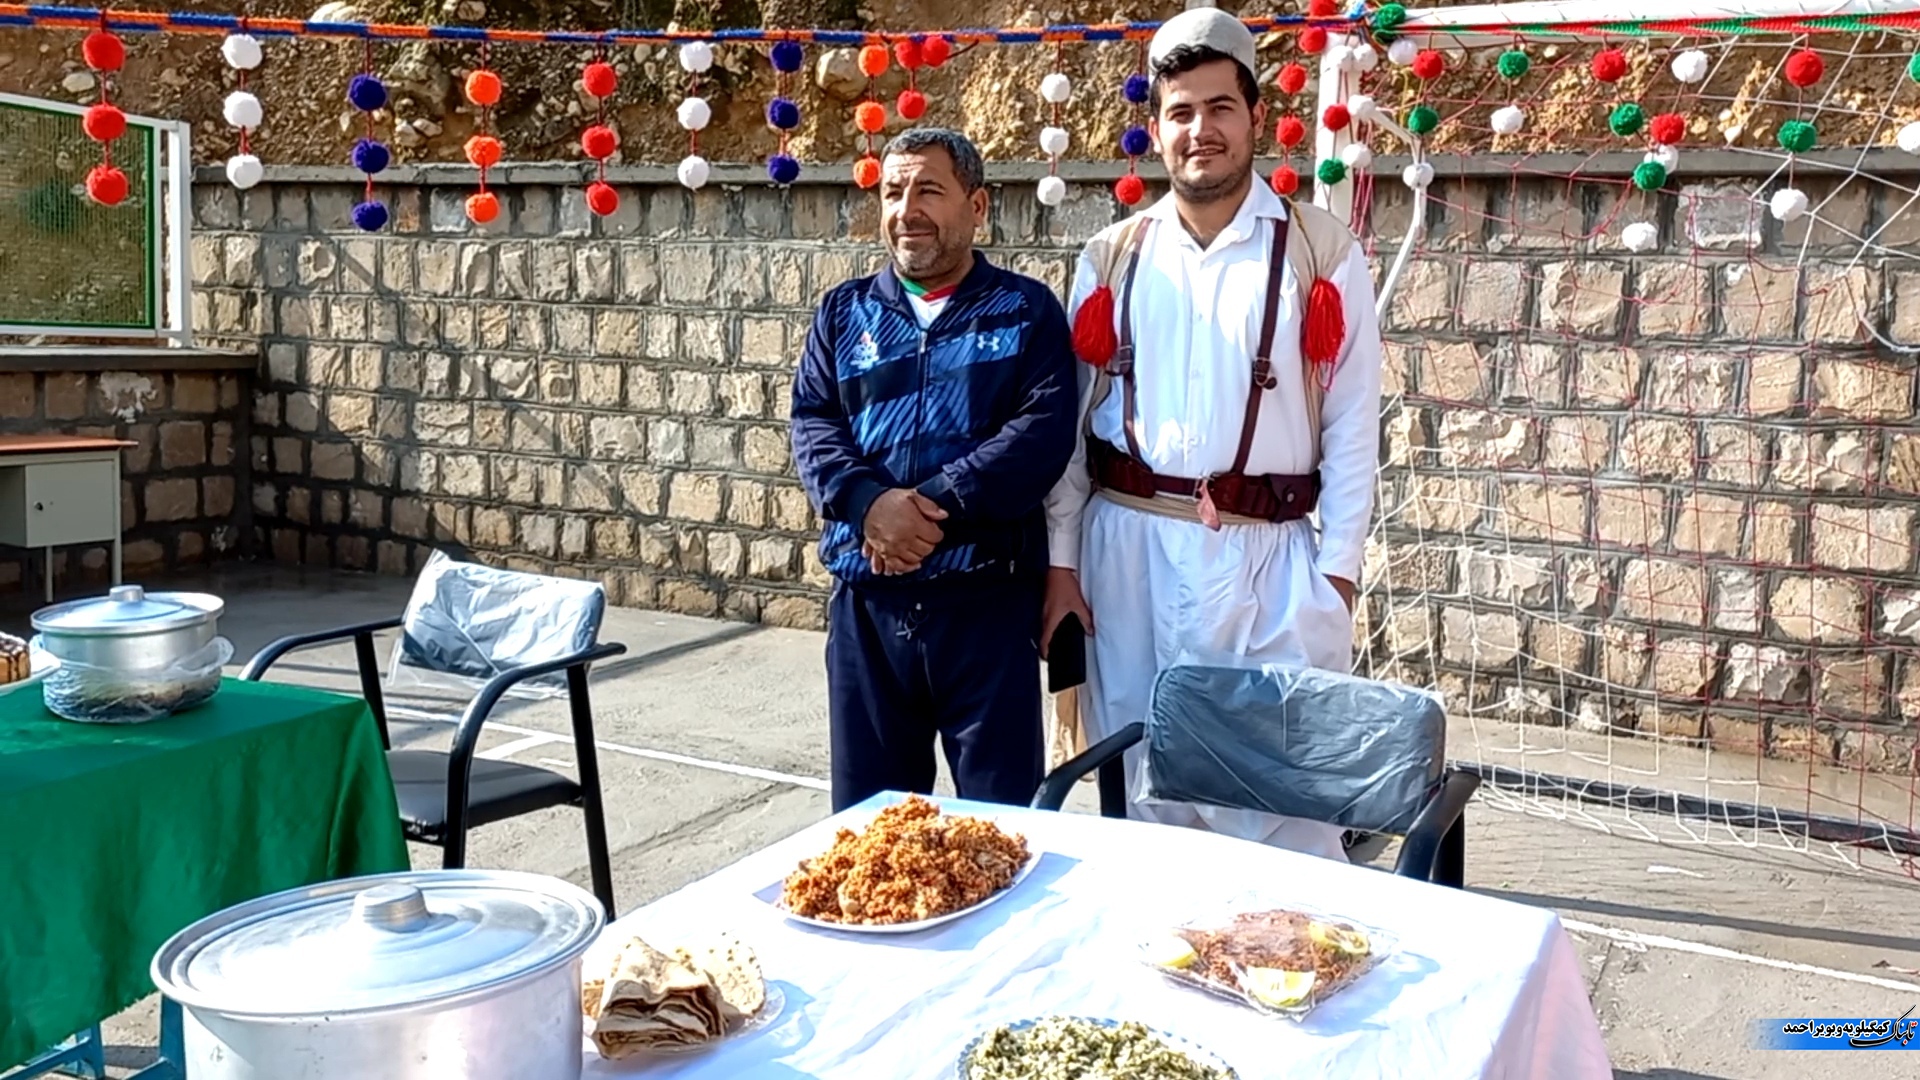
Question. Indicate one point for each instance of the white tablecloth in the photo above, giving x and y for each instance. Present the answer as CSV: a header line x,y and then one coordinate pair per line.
x,y
1478,988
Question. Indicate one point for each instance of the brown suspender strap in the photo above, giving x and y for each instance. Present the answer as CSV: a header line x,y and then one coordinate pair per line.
x,y
1263,357
1122,362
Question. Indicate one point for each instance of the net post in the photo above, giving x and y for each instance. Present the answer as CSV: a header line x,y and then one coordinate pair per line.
x,y
178,245
1336,199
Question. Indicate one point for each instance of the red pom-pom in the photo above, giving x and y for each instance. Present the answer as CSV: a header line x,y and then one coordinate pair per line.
x,y
866,171
1326,324
1129,189
1093,338
482,207
1286,180
599,79
483,88
1312,40
484,151
912,105
599,142
870,116
1323,9
103,122
1336,118
1289,131
107,185
907,54
103,52
1668,129
873,60
1428,64
601,198
1292,78
935,51
1804,68
1609,65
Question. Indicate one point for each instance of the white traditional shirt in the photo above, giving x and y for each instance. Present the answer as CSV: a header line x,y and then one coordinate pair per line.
x,y
1196,318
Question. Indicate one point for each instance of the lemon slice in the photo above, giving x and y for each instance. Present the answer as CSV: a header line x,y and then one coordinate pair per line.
x,y
1280,989
1172,953
1338,938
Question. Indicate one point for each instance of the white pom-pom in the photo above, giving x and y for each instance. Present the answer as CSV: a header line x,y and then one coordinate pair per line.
x,y
1364,58
1788,204
244,171
696,56
1337,56
695,114
1691,66
242,52
1356,155
1508,119
1053,141
1909,138
242,110
1641,236
1402,51
1362,108
1052,191
1418,175
1056,88
1667,156
693,172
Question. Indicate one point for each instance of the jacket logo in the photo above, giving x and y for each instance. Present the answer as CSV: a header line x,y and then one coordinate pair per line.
x,y
866,352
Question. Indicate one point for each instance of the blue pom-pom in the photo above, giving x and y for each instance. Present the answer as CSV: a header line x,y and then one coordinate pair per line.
x,y
783,114
1137,88
783,169
1135,142
366,93
370,216
787,56
370,157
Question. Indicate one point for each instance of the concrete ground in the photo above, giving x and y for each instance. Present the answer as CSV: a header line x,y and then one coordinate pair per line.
x,y
714,744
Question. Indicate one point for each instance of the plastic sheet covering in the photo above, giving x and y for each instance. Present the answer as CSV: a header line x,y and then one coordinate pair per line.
x,y
120,695
466,623
1298,742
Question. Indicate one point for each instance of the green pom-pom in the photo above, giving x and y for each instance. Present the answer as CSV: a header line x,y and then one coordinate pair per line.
x,y
1650,176
1913,68
1331,171
1421,119
1389,16
1797,136
1627,118
1514,64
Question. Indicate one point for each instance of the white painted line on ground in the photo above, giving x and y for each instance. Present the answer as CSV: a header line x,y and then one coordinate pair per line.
x,y
1656,941
525,742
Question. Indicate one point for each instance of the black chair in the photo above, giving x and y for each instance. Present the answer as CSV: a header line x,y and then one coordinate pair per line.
x,y
507,632
1365,755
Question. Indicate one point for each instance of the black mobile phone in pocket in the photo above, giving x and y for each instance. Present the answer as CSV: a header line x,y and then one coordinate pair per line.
x,y
1067,655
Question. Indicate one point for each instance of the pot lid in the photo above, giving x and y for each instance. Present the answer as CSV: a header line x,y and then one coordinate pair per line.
x,y
128,609
379,943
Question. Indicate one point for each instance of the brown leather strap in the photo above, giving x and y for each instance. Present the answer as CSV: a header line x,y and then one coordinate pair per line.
x,y
1122,362
1263,379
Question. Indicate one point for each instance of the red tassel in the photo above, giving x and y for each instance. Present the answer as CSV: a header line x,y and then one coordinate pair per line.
x,y
1326,326
1093,338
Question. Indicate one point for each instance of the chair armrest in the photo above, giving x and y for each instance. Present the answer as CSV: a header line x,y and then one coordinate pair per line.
x,y
271,655
467,736
1055,788
1422,843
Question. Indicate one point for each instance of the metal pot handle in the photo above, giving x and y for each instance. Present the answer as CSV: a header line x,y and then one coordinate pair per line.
x,y
397,907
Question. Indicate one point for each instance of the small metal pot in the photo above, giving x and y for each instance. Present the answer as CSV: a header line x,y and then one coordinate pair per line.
x,y
132,656
455,974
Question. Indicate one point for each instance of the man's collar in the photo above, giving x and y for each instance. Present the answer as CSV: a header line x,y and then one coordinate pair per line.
x,y
887,282
1260,202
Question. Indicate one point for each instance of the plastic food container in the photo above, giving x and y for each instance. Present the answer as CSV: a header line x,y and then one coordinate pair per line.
x,y
1283,961
132,656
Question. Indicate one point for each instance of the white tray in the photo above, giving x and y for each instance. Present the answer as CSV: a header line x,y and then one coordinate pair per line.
x,y
1033,860
43,664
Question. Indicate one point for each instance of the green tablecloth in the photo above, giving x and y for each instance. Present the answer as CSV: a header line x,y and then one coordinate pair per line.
x,y
113,838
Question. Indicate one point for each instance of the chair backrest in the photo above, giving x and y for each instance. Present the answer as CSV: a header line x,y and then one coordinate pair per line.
x,y
1305,743
469,622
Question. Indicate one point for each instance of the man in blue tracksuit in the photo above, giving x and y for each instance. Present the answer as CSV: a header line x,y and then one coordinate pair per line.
x,y
933,410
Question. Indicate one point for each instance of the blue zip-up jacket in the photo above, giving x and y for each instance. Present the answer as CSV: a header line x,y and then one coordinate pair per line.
x,y
977,413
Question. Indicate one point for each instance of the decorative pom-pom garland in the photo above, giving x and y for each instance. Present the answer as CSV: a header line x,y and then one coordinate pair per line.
x,y
693,114
1514,64
1129,189
1627,119
1508,119
368,94
783,169
1291,80
1422,119
1418,176
1056,90
244,171
869,116
1908,138
911,104
242,52
1913,68
1668,129
1052,191
602,200
783,112
1691,66
696,57
103,52
1331,171
599,80
911,55
693,172
1429,64
1335,117
1640,237
1285,180
1402,52
106,185
599,142
483,207
1609,65
1650,176
1805,68
1788,204
866,171
1356,156
242,110
1362,109
1798,136
786,57
103,122
483,89
1288,131
1134,141
1313,40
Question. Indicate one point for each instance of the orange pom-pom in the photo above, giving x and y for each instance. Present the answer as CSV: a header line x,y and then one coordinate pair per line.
x,y
866,171
484,151
103,52
1093,338
1292,78
483,88
1326,324
935,51
912,105
1288,131
873,60
870,116
601,198
103,122
482,207
599,79
907,54
599,142
1312,40
1286,180
107,185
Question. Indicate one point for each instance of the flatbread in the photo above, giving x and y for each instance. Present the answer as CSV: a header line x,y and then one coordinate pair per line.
x,y
735,972
652,998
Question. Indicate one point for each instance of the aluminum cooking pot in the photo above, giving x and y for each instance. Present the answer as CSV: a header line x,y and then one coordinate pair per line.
x,y
426,975
132,655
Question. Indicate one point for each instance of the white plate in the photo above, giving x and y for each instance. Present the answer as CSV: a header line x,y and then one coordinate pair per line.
x,y
1033,860
43,664
770,1011
1200,1056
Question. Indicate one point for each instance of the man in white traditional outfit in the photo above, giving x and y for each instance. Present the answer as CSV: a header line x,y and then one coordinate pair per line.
x,y
1231,384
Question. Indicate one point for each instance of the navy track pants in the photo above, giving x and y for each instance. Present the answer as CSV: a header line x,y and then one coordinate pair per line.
x,y
963,668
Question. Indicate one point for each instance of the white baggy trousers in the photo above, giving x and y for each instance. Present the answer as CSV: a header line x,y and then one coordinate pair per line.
x,y
1161,586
